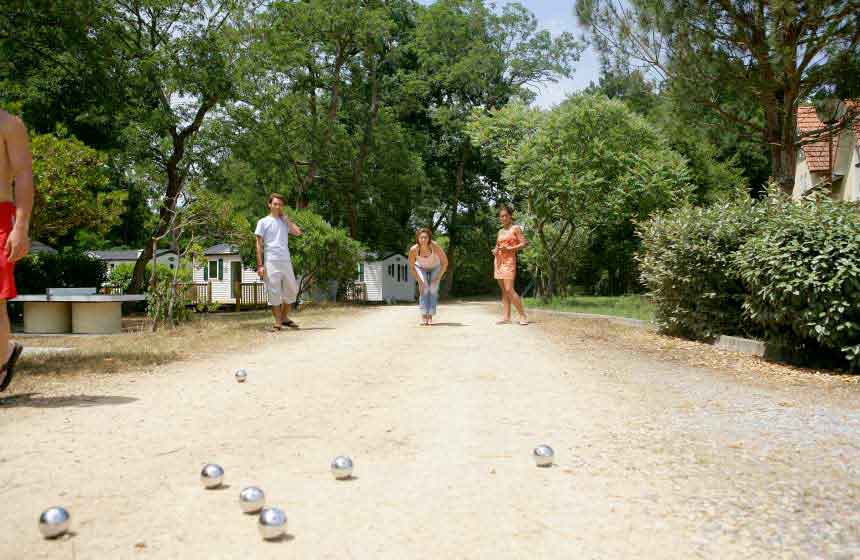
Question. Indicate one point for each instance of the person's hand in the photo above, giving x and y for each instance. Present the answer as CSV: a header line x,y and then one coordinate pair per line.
x,y
495,251
17,245
261,272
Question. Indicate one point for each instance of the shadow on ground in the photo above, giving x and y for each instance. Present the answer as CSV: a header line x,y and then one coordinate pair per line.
x,y
102,362
33,400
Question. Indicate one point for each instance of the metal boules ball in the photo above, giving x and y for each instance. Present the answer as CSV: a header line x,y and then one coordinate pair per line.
x,y
272,523
54,522
341,467
544,455
212,476
241,375
251,499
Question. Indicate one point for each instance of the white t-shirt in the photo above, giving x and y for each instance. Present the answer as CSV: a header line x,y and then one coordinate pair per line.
x,y
276,234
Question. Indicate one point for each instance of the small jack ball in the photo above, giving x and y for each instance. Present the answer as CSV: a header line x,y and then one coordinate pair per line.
x,y
54,522
544,455
341,467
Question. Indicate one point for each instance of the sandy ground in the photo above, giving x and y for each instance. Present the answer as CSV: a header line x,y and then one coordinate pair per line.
x,y
654,459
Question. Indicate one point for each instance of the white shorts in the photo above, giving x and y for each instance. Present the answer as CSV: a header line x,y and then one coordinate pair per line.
x,y
281,282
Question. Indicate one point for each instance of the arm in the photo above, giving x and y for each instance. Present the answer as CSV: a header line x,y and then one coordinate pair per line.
x,y
18,147
294,229
521,239
261,271
412,254
443,260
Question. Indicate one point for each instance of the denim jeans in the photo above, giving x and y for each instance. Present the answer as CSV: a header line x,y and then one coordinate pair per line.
x,y
430,294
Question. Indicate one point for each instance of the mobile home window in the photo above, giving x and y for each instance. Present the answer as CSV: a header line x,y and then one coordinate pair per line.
x,y
361,272
391,270
398,273
220,269
213,270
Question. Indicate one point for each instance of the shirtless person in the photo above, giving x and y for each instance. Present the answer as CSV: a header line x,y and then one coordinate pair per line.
x,y
16,168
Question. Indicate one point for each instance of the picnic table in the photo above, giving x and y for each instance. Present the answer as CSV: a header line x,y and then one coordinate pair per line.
x,y
74,310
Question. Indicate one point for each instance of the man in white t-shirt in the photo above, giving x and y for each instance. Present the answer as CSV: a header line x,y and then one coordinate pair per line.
x,y
273,233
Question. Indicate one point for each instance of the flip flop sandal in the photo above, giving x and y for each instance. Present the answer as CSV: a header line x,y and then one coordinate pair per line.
x,y
290,323
524,322
277,328
9,368
508,322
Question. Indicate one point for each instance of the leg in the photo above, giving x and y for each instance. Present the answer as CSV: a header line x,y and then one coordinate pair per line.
x,y
432,299
423,296
5,330
506,302
291,292
9,352
276,313
514,298
276,297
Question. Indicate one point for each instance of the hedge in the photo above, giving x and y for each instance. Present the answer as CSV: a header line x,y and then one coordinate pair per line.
x,y
35,273
687,264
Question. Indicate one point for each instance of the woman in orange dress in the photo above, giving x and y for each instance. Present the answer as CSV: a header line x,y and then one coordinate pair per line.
x,y
509,240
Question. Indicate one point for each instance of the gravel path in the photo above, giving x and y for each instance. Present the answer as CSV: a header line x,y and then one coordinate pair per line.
x,y
654,459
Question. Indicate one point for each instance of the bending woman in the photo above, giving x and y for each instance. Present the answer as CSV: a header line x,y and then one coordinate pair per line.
x,y
509,240
429,263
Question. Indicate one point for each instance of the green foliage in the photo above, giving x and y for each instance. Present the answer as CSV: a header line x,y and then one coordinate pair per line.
x,y
320,255
167,303
71,193
120,275
803,276
733,60
687,263
35,273
588,170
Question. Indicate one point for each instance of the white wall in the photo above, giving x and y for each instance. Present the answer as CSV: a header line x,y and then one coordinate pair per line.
x,y
373,280
851,191
221,289
402,289
803,179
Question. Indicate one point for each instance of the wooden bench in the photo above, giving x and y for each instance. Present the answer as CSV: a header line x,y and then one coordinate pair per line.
x,y
73,310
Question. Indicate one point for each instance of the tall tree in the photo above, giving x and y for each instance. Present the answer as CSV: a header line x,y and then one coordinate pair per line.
x,y
182,57
764,53
472,56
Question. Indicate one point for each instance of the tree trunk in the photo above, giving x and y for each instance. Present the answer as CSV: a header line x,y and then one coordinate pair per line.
x,y
448,281
363,153
175,181
331,115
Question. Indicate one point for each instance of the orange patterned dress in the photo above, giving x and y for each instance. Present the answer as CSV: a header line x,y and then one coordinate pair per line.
x,y
506,258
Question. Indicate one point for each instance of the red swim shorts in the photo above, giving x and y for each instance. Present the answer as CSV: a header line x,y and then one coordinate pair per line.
x,y
7,269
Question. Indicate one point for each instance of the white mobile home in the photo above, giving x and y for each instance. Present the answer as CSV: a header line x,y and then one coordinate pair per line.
x,y
222,265
387,278
117,257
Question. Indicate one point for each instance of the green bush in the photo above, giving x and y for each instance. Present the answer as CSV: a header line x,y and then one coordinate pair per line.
x,y
120,275
802,272
34,274
688,265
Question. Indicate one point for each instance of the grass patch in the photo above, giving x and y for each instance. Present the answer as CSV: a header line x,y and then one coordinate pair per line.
x,y
633,306
136,348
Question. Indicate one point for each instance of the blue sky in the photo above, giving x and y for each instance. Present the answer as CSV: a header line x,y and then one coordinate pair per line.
x,y
557,16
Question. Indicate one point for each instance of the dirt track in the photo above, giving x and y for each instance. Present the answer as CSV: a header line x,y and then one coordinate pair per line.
x,y
654,459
